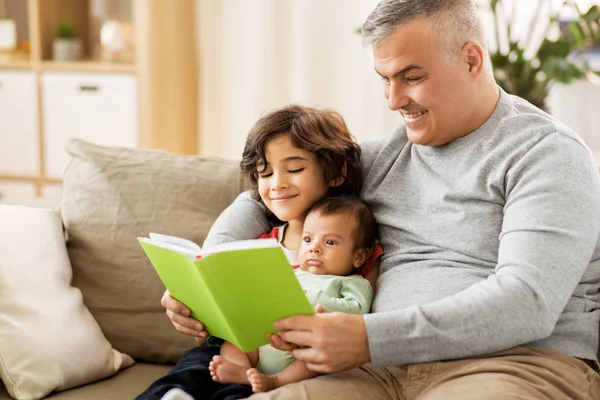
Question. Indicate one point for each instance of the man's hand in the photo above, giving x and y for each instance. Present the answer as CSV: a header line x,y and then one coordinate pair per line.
x,y
178,313
326,342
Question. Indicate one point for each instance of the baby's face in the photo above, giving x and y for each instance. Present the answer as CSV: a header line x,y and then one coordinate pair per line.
x,y
328,245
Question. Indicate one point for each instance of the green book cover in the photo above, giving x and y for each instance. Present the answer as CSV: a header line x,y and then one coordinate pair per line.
x,y
237,290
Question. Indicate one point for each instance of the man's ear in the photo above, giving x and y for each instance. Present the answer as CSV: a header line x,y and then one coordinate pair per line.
x,y
340,179
473,55
360,256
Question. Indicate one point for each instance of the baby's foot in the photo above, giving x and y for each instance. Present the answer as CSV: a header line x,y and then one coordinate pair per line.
x,y
225,371
261,382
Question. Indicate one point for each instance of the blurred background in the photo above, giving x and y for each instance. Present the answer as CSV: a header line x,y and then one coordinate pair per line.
x,y
192,76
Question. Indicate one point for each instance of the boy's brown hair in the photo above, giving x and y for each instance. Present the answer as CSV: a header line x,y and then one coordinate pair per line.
x,y
353,207
318,131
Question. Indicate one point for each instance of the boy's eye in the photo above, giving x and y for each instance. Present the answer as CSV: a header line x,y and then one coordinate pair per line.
x,y
330,243
265,175
295,171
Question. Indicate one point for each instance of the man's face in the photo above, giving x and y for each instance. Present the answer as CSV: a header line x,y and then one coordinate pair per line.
x,y
431,95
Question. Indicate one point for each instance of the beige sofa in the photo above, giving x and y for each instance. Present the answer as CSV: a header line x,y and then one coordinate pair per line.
x,y
110,197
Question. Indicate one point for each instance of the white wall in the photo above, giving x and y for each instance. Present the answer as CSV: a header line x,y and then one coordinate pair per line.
x,y
264,54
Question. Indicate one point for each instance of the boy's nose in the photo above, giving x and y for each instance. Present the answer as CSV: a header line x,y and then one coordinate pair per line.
x,y
278,183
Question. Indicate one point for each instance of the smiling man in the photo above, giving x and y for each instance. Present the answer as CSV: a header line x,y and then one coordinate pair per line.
x,y
489,214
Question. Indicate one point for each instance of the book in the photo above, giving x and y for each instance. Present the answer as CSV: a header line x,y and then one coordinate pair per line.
x,y
237,290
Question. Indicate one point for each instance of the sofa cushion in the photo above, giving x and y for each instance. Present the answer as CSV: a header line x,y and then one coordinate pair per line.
x,y
48,338
110,197
125,385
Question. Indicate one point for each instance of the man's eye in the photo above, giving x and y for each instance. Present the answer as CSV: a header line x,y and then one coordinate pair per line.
x,y
385,81
295,171
330,243
416,79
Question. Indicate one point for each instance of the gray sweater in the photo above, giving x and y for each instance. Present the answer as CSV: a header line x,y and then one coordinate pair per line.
x,y
490,241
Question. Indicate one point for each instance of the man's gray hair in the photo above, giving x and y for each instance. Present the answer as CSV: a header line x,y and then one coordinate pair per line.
x,y
456,22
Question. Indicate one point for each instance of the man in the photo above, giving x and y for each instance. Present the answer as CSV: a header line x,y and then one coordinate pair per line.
x,y
489,214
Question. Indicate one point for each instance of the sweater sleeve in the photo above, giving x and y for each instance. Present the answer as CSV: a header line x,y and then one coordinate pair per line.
x,y
354,297
244,219
550,230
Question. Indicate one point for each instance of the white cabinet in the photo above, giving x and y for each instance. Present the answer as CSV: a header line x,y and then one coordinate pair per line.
x,y
100,108
18,123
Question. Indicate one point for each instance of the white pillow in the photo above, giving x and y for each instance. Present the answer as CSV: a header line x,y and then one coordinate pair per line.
x,y
48,338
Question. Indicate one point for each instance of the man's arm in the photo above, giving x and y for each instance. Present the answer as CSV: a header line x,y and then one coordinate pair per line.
x,y
245,218
550,231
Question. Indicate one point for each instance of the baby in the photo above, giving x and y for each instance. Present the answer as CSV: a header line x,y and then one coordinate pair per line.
x,y
337,238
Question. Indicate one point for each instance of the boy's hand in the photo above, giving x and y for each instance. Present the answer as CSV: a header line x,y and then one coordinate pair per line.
x,y
178,313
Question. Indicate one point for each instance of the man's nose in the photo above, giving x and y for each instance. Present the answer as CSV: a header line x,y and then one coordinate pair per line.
x,y
396,97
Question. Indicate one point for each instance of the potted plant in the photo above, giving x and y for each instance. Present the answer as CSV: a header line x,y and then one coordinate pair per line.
x,y
67,44
529,70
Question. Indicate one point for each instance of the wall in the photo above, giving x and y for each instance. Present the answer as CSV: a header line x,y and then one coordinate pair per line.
x,y
264,54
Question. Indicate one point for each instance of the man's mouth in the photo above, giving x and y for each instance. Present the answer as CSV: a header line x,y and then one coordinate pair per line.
x,y
413,115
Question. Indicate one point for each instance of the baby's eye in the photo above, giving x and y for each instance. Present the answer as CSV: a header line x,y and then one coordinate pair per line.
x,y
306,239
295,171
330,243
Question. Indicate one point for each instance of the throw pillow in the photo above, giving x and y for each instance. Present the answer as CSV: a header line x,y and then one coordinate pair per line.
x,y
110,197
48,338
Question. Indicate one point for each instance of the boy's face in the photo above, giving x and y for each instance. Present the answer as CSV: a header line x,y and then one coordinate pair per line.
x,y
292,179
329,246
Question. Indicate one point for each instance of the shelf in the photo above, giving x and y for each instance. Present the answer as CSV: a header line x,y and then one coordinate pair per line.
x,y
19,178
25,178
15,61
26,65
88,66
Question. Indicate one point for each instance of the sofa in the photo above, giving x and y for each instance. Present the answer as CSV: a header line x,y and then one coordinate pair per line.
x,y
80,313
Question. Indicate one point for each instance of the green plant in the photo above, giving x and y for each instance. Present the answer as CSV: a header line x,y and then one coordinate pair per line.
x,y
528,70
66,30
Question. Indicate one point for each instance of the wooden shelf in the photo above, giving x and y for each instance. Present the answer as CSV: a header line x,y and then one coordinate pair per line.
x,y
164,33
21,62
20,178
88,66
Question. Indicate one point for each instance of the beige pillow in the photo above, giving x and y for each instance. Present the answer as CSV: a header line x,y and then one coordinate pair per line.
x,y
110,197
48,338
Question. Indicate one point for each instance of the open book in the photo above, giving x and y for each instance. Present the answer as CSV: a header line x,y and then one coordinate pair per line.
x,y
237,290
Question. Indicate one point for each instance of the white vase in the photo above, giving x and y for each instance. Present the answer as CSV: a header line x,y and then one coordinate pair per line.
x,y
66,49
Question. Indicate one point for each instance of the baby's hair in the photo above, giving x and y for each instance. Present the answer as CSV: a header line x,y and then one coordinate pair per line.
x,y
319,131
353,207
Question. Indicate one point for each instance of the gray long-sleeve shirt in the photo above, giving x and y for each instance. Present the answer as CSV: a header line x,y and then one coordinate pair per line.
x,y
491,241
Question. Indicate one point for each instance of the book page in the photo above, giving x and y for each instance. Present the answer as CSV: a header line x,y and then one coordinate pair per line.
x,y
188,244
242,245
190,253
